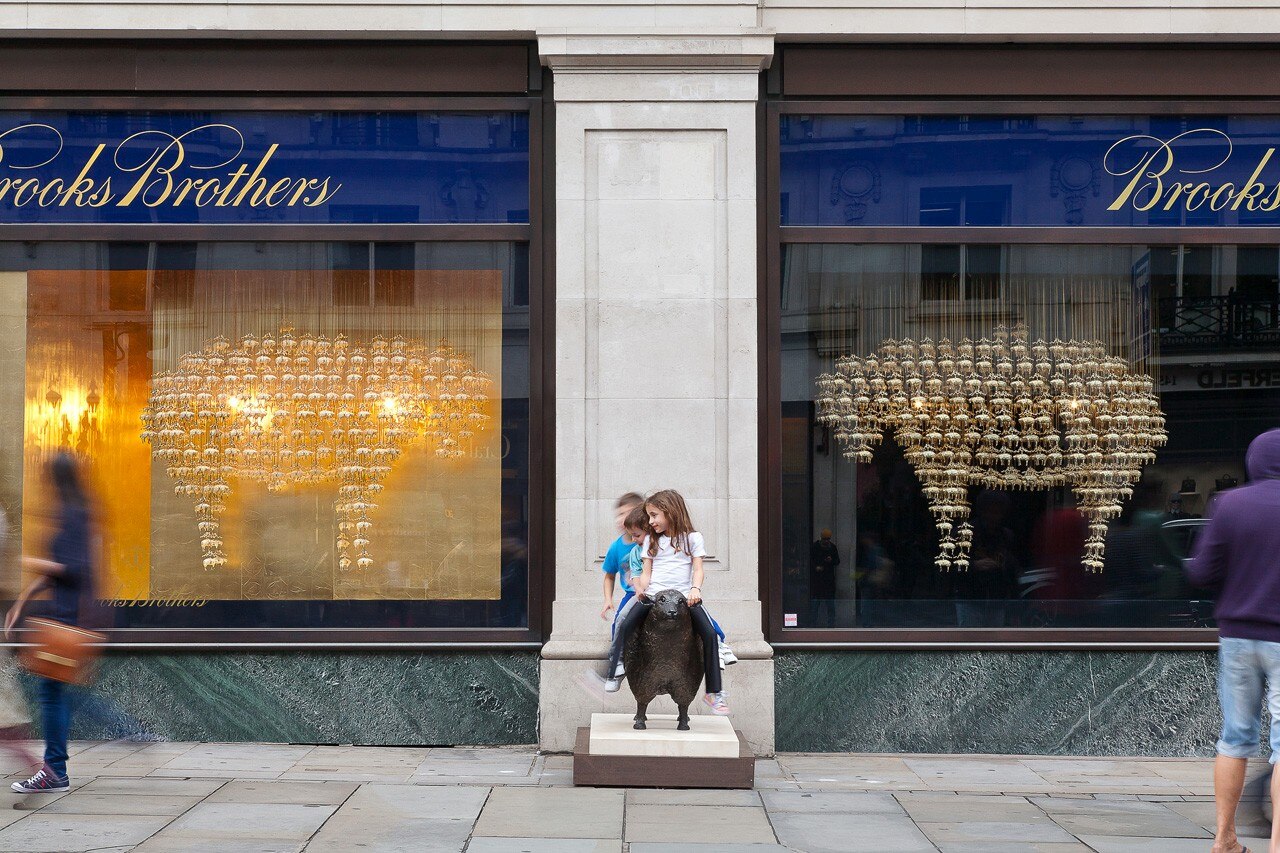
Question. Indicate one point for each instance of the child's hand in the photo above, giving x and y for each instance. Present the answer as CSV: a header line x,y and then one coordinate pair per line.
x,y
640,585
694,597
608,608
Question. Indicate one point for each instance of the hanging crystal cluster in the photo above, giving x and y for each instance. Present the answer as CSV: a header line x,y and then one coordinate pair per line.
x,y
285,411
1004,413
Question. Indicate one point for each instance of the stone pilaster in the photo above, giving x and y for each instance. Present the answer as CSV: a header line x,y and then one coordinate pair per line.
x,y
656,335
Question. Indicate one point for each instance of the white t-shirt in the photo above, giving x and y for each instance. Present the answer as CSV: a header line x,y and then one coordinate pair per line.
x,y
672,570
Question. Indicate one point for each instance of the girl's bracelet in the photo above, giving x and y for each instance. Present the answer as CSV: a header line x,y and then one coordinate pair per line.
x,y
698,588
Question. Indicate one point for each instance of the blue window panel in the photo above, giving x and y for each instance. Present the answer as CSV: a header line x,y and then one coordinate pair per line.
x,y
264,167
1050,170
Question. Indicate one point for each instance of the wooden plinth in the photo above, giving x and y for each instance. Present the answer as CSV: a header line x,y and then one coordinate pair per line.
x,y
638,771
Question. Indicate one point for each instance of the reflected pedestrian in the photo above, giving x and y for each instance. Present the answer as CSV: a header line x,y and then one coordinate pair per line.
x,y
68,578
1236,556
824,557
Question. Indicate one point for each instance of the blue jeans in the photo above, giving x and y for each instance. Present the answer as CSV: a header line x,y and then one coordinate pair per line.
x,y
55,719
1243,666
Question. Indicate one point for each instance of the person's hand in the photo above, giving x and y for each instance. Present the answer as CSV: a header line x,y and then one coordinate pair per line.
x,y
608,608
640,586
11,619
694,597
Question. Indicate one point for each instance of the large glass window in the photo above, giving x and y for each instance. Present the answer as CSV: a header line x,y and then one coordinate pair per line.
x,y
280,435
1005,436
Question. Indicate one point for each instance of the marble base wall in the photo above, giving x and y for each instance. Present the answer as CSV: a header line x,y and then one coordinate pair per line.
x,y
1032,703
300,697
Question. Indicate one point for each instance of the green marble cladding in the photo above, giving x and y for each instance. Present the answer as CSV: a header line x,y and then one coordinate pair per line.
x,y
303,697
1021,703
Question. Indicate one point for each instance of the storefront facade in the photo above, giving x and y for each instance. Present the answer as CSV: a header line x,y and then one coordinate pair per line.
x,y
566,264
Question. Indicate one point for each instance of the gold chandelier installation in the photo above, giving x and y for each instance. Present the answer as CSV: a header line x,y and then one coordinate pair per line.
x,y
1004,413
286,411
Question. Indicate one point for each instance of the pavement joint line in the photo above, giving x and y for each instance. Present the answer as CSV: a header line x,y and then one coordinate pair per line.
x,y
313,835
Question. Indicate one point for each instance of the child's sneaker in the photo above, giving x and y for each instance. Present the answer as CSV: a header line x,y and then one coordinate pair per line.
x,y
44,782
727,657
717,704
612,685
594,683
619,670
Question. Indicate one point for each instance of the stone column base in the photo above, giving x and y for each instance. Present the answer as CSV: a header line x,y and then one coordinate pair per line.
x,y
564,704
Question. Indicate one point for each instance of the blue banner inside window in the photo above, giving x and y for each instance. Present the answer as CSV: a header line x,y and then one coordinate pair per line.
x,y
264,167
1058,170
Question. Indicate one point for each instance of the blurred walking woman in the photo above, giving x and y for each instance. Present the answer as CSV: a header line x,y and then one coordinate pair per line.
x,y
68,577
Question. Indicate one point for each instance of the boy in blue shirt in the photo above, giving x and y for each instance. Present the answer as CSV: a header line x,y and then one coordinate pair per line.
x,y
616,563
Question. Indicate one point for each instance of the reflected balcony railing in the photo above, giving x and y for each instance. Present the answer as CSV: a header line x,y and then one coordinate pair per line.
x,y
1191,324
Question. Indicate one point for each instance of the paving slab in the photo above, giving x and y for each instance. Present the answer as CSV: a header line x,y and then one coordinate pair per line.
x,y
153,786
1013,847
952,808
844,802
77,833
230,826
296,793
1118,817
1128,844
977,830
890,774
691,824
545,845
962,774
1248,817
402,819
690,797
359,764
685,847
90,802
552,813
836,833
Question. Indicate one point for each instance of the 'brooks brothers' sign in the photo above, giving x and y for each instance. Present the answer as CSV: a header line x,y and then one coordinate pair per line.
x,y
1029,170
262,167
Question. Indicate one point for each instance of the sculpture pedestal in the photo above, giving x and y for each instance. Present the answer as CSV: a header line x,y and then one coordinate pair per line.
x,y
712,754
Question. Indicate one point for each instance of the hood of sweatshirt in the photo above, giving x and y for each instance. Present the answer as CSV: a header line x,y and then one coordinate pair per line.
x,y
1263,459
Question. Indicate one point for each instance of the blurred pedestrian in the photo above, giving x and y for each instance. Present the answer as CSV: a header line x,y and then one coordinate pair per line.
x,y
68,578
1236,556
15,720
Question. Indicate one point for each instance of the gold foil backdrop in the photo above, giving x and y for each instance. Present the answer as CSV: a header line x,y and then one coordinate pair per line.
x,y
290,410
96,339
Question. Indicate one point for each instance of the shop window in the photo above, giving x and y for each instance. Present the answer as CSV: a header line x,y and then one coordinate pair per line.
x,y
1033,555
410,389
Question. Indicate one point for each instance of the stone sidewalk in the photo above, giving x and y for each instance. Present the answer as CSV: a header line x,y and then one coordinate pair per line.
x,y
270,798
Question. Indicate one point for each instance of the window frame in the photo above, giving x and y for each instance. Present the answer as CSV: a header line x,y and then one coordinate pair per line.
x,y
774,236
535,235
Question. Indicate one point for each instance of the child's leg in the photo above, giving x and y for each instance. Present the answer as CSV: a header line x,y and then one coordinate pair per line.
x,y
623,605
710,647
637,611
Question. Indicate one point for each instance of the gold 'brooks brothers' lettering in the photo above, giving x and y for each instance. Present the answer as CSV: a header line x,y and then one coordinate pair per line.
x,y
1151,185
151,168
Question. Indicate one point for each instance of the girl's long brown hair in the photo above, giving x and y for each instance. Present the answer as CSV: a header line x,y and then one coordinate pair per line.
x,y
679,526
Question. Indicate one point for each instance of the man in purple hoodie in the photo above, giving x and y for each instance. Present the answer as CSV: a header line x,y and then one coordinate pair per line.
x,y
1238,556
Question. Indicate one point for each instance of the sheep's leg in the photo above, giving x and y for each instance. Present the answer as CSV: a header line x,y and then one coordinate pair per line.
x,y
641,719
682,722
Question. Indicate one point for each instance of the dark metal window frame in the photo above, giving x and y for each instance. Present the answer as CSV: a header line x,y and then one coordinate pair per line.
x,y
773,236
537,103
